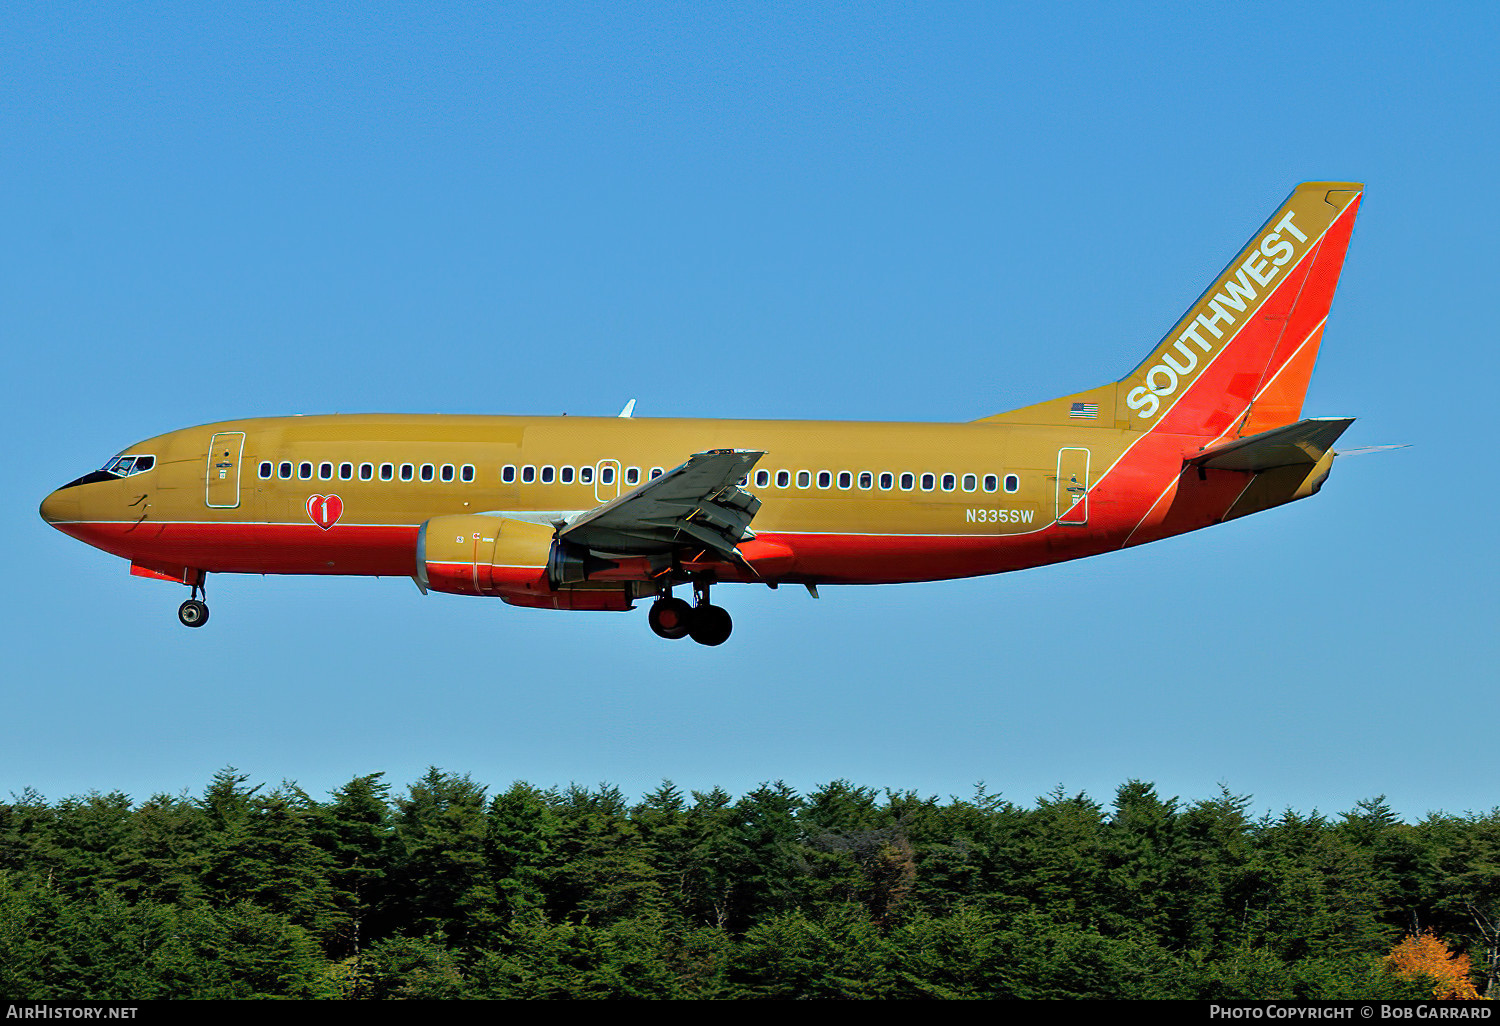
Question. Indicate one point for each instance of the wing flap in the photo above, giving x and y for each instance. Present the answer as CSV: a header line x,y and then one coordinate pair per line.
x,y
699,503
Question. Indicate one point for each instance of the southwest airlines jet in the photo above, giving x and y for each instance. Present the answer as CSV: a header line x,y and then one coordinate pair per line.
x,y
599,513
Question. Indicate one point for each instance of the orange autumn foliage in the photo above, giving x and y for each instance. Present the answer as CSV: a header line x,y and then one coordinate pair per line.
x,y
1426,955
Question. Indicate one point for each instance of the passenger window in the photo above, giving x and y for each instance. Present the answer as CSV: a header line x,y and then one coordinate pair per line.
x,y
927,482
265,471
762,478
549,474
407,471
990,482
970,482
846,480
804,478
585,475
886,481
783,479
632,475
325,471
656,472
825,479
607,474
387,471
366,471
447,472
467,473
1012,482
565,475
284,471
866,480
949,482
508,474
907,481
427,472
304,471
528,474
346,472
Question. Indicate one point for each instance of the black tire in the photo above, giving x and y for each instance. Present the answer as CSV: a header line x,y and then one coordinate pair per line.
x,y
711,625
671,618
192,613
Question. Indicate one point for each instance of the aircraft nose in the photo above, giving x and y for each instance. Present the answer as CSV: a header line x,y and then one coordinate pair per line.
x,y
59,507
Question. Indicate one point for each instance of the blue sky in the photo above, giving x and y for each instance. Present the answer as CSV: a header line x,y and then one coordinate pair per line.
x,y
926,212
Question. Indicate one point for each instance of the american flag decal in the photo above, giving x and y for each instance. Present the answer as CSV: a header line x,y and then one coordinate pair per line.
x,y
1084,411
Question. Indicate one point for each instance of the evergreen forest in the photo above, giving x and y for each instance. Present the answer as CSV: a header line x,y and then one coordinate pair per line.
x,y
445,890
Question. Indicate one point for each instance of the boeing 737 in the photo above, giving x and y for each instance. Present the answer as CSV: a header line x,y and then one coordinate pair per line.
x,y
597,513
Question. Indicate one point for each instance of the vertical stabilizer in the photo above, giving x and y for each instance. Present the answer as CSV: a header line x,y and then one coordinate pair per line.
x,y
1239,360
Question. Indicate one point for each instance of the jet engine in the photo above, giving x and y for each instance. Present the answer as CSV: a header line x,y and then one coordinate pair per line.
x,y
517,561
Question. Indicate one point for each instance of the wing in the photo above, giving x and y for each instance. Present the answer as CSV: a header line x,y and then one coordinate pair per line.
x,y
699,503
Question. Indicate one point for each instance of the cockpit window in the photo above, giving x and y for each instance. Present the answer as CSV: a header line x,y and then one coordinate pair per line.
x,y
125,466
116,468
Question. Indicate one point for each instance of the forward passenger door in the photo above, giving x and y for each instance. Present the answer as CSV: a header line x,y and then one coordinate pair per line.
x,y
225,451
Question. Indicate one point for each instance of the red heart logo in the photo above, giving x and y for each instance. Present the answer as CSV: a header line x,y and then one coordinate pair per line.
x,y
325,510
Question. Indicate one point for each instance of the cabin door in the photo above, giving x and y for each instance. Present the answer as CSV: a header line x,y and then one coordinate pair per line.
x,y
224,452
1073,486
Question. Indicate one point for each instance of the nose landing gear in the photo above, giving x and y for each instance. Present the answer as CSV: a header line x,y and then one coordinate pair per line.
x,y
705,623
194,612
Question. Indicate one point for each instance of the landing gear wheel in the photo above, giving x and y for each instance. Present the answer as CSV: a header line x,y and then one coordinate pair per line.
x,y
711,625
193,613
670,618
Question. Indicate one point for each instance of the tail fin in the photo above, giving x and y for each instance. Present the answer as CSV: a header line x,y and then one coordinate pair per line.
x,y
1238,362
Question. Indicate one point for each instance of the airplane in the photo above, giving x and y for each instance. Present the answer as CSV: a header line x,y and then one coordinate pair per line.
x,y
597,513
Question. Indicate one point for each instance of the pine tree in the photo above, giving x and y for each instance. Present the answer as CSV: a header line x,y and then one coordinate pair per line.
x,y
773,875
91,836
1140,860
266,855
440,878
354,832
520,847
167,849
1220,878
603,867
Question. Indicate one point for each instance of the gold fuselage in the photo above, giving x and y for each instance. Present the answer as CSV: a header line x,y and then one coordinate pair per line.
x,y
921,490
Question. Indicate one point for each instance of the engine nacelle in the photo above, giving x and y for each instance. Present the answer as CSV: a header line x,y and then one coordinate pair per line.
x,y
517,561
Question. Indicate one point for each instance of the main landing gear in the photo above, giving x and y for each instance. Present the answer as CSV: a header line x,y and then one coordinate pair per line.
x,y
705,623
194,612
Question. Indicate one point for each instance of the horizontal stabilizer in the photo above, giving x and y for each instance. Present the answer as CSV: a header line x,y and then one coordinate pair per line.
x,y
1306,441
